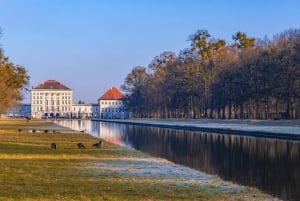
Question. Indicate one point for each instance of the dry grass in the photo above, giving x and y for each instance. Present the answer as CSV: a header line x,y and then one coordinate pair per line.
x,y
30,170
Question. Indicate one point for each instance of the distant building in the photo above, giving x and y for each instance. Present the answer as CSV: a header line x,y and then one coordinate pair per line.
x,y
95,110
82,111
24,110
111,105
85,111
51,99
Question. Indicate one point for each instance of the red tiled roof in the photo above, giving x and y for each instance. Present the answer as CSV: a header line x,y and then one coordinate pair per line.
x,y
51,84
112,94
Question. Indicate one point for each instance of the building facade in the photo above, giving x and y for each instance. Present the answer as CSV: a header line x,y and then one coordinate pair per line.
x,y
95,109
111,105
51,99
85,111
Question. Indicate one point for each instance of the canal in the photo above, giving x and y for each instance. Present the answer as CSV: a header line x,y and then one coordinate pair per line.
x,y
272,165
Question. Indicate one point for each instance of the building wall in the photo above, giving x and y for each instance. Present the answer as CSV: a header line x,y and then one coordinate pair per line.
x,y
24,110
82,111
51,103
96,109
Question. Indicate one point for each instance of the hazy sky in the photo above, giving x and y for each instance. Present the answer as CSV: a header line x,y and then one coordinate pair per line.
x,y
91,45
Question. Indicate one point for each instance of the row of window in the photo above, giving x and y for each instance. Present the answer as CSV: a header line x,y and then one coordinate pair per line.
x,y
52,108
111,103
63,109
52,102
81,109
40,97
51,94
112,110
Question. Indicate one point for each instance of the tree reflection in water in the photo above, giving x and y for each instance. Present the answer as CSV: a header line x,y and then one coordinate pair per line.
x,y
269,164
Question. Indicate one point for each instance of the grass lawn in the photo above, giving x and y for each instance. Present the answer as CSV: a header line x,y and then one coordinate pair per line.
x,y
31,170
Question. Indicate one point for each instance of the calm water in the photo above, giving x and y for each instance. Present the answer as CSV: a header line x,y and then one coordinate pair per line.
x,y
270,165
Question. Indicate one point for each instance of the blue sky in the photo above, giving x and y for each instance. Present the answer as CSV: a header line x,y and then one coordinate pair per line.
x,y
91,45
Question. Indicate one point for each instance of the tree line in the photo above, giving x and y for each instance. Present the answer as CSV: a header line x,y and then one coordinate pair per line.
x,y
13,80
247,79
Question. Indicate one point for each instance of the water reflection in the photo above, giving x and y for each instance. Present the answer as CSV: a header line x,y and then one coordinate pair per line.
x,y
78,125
271,165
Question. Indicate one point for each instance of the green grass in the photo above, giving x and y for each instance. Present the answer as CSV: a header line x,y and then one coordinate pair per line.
x,y
30,170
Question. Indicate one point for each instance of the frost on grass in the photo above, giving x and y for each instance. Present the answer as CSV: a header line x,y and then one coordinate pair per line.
x,y
161,171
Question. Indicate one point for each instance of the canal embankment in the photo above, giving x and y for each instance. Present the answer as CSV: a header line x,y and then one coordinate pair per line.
x,y
279,129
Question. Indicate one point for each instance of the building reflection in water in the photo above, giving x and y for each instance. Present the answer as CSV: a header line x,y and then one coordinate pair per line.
x,y
78,125
268,164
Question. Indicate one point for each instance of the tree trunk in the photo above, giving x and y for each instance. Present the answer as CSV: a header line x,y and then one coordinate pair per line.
x,y
266,107
229,110
241,111
257,116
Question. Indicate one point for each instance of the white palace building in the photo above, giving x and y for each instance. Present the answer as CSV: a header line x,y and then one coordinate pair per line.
x,y
52,99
